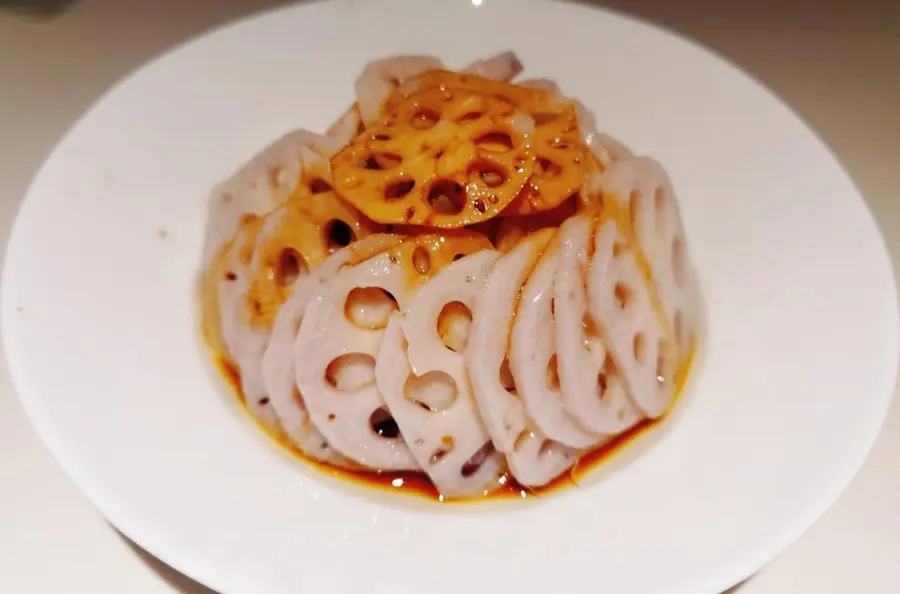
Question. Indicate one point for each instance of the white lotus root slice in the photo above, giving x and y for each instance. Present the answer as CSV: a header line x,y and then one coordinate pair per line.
x,y
434,406
593,390
620,302
380,78
533,459
278,362
503,66
604,147
347,127
334,360
260,185
541,83
244,344
533,359
641,184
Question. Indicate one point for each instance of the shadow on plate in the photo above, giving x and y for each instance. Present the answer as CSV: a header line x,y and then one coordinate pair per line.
x,y
185,585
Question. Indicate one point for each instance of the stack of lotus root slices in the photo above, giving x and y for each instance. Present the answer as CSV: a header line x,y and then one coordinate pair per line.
x,y
461,278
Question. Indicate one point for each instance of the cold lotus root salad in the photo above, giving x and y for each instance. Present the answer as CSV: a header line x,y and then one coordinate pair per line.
x,y
462,286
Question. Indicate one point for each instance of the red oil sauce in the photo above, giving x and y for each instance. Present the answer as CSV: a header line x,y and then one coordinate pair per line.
x,y
417,484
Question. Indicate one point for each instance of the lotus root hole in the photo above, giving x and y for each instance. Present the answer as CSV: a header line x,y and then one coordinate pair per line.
x,y
319,186
369,308
495,142
542,119
471,466
453,325
660,200
399,188
434,391
248,219
278,177
421,261
338,234
447,445
351,372
678,263
635,206
553,373
548,168
491,175
506,378
678,326
663,364
469,116
602,384
521,439
589,327
381,161
447,197
623,295
640,347
289,267
383,424
547,447
425,118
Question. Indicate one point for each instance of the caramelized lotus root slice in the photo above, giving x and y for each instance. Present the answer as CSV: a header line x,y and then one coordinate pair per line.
x,y
533,459
295,239
622,303
533,358
529,99
440,159
422,375
513,229
593,390
278,362
334,359
642,186
559,169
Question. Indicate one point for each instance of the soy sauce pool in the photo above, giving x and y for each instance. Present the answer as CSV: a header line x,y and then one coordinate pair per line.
x,y
417,484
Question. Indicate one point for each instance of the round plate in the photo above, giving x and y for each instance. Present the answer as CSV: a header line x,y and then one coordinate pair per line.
x,y
100,320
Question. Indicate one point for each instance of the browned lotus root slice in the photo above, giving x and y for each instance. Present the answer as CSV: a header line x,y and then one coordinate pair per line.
x,y
531,99
439,159
295,239
557,146
559,167
513,229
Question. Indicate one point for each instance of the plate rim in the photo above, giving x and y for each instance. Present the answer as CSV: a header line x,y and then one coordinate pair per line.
x,y
114,512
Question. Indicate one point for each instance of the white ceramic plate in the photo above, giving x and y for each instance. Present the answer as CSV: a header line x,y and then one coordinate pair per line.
x,y
100,323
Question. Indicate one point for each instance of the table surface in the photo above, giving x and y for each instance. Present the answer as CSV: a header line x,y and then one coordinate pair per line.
x,y
836,63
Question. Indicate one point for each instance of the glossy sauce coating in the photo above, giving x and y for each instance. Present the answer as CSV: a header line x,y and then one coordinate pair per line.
x,y
417,484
